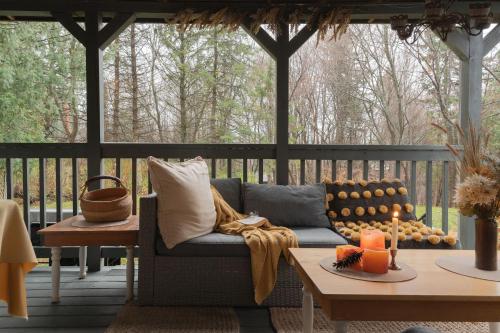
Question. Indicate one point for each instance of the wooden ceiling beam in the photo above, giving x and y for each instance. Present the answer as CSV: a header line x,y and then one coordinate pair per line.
x,y
262,38
114,28
300,38
66,19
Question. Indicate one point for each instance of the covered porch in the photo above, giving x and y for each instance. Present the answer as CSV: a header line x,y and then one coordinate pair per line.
x,y
95,25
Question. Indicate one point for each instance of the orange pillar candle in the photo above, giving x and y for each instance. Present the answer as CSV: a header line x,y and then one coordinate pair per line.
x,y
371,239
376,260
346,250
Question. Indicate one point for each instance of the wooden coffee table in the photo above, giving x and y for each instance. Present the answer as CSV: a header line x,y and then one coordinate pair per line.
x,y
65,234
435,295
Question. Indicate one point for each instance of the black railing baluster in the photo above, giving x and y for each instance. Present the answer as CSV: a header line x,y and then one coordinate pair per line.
x,y
42,192
318,171
229,168
75,180
366,169
214,168
398,169
150,185
349,169
134,185
59,214
413,182
261,171
302,172
26,194
118,168
245,170
444,206
381,169
428,193
8,179
334,170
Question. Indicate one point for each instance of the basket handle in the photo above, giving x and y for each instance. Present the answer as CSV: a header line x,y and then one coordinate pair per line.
x,y
101,177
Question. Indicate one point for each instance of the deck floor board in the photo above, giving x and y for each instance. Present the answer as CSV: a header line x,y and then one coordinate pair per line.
x,y
90,305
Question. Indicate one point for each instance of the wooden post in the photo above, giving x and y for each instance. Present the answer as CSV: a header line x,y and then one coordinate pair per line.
x,y
471,51
281,50
95,38
95,114
282,72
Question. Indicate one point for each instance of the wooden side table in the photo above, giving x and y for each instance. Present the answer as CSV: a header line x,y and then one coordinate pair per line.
x,y
65,234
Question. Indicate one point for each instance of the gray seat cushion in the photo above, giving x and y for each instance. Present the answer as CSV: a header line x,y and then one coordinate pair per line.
x,y
288,206
220,245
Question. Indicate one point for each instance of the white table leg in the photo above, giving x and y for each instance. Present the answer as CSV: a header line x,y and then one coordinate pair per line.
x,y
494,327
82,258
307,311
130,273
56,273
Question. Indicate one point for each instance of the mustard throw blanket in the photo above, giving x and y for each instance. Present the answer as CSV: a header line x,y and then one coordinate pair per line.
x,y
16,258
266,243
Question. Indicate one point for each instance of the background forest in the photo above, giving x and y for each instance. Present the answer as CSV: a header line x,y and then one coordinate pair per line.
x,y
214,86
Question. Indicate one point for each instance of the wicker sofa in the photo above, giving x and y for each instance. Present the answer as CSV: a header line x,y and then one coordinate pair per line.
x,y
213,269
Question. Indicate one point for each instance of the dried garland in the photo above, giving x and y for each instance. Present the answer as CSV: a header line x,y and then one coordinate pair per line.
x,y
335,19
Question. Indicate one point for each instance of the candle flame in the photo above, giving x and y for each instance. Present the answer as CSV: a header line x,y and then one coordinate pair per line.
x,y
396,214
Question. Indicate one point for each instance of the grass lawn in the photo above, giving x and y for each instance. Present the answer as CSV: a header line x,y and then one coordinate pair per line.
x,y
436,214
436,217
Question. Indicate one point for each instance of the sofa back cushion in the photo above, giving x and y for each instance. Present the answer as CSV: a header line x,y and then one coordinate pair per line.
x,y
287,206
368,201
185,204
230,189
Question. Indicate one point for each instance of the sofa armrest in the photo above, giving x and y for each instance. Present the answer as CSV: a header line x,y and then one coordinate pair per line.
x,y
148,225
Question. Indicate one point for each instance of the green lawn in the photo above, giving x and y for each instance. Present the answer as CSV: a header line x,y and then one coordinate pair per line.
x,y
436,217
436,214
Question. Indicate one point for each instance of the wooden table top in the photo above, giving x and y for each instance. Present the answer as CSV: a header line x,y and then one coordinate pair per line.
x,y
432,283
65,234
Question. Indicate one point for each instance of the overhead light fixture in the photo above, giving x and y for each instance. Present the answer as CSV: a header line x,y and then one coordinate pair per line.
x,y
439,18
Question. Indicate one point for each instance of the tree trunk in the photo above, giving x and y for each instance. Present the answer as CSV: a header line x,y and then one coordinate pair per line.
x,y
116,94
182,87
135,88
213,113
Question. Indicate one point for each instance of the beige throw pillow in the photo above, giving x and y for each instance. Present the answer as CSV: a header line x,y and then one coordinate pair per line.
x,y
185,204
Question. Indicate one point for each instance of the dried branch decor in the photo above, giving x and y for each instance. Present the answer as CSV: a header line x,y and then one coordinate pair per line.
x,y
335,20
479,192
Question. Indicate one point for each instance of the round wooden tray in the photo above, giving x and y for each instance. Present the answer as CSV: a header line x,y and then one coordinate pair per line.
x,y
464,265
85,224
406,273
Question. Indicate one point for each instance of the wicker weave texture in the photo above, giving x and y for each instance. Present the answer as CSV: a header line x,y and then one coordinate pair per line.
x,y
222,281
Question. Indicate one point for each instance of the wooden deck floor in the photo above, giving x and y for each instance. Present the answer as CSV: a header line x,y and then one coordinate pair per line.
x,y
90,305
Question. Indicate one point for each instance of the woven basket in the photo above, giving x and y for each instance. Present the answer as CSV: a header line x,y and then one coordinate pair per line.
x,y
108,204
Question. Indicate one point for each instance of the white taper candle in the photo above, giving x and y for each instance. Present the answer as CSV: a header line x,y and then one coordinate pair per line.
x,y
394,236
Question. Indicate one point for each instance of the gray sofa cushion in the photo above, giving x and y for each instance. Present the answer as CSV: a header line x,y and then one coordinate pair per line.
x,y
230,189
220,245
287,206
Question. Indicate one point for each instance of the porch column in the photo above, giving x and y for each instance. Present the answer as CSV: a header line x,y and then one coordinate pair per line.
x,y
471,50
282,77
95,113
95,39
281,50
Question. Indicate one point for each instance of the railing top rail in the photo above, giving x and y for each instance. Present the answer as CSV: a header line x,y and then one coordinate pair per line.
x,y
142,150
236,151
371,152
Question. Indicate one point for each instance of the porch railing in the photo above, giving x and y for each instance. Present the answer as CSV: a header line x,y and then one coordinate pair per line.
x,y
244,161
